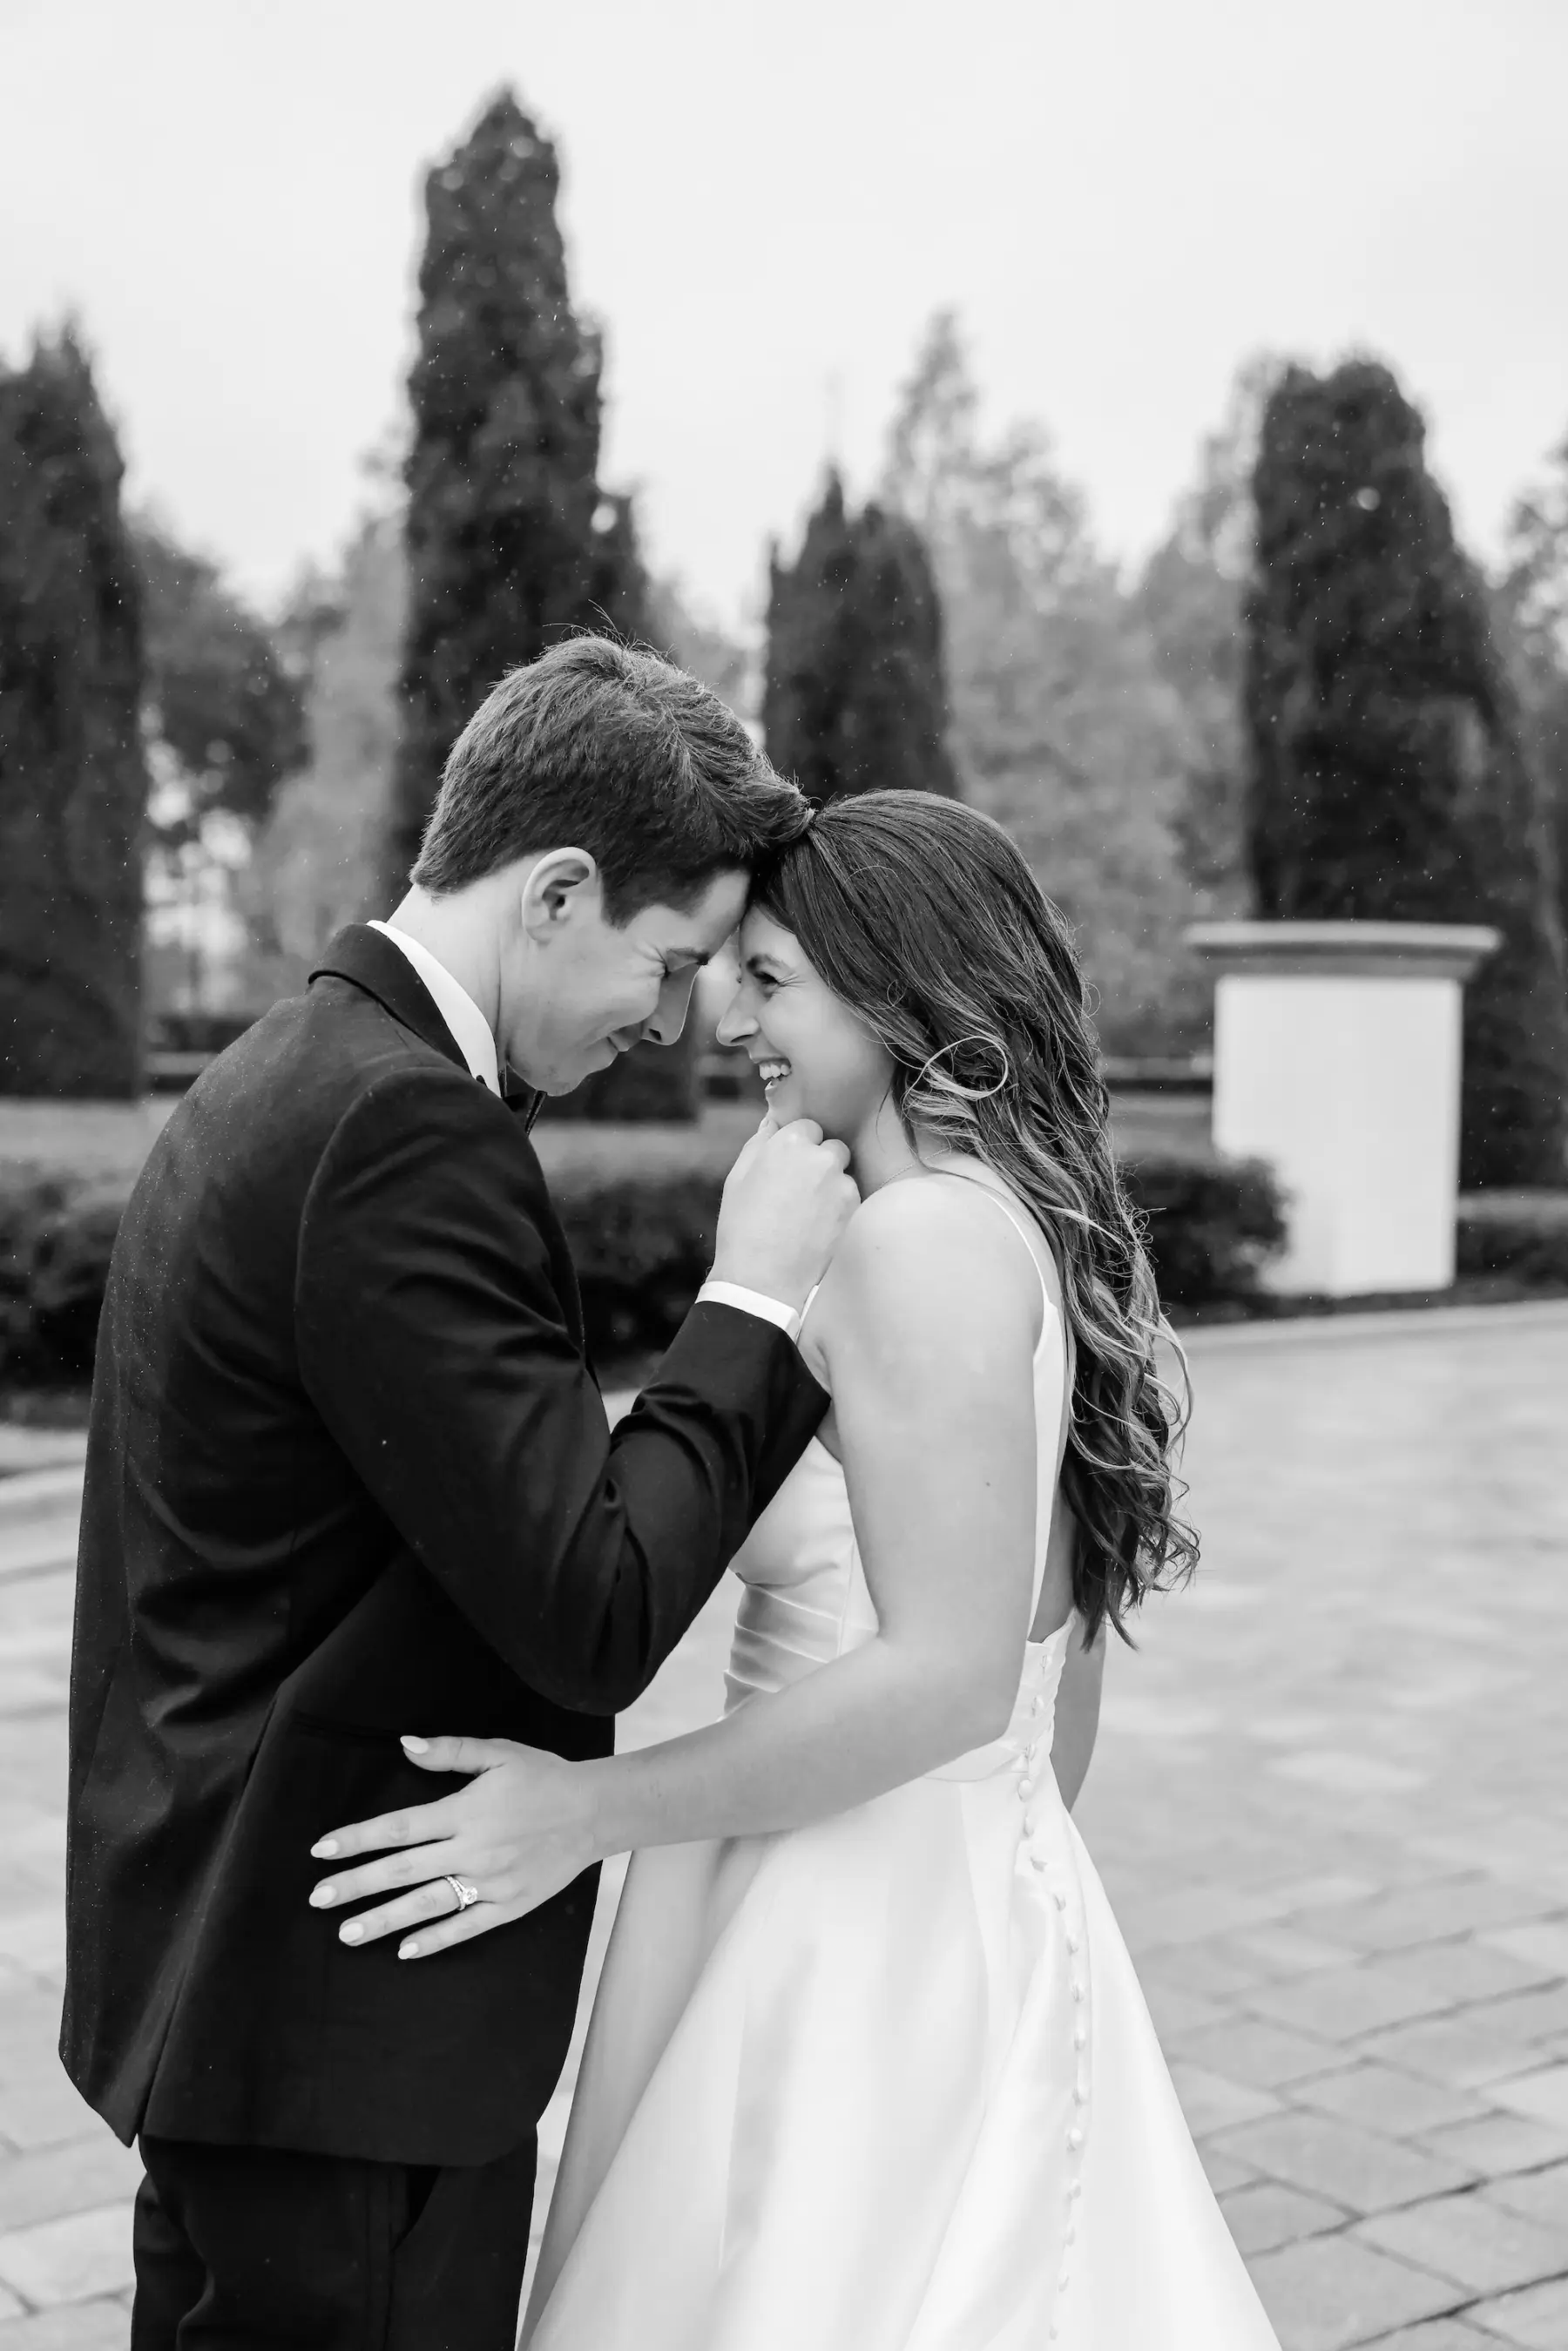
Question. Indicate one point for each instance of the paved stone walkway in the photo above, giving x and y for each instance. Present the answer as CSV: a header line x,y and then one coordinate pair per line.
x,y
1330,1805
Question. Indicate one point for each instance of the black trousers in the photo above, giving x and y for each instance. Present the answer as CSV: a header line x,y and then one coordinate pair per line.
x,y
275,2252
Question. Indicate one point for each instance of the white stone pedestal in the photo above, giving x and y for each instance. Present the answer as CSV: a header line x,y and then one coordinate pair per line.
x,y
1336,1059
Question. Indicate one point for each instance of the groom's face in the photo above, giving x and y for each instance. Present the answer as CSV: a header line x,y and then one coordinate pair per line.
x,y
577,989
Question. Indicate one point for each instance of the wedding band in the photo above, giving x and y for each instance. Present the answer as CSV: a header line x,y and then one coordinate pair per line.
x,y
467,1895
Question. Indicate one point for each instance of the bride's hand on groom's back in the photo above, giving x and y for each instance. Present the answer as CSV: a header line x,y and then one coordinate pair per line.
x,y
520,1833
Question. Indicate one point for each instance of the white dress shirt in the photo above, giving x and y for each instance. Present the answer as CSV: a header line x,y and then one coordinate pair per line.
x,y
471,1032
474,1040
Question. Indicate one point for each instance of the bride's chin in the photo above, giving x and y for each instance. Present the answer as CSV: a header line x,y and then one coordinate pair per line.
x,y
790,1100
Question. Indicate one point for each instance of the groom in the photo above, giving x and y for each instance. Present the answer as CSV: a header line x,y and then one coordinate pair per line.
x,y
349,1475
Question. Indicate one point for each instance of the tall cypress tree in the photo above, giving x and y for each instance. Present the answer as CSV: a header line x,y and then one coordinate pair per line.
x,y
510,540
1388,773
1531,610
73,778
855,697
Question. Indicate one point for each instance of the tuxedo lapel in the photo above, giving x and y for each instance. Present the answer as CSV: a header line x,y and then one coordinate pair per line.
x,y
368,960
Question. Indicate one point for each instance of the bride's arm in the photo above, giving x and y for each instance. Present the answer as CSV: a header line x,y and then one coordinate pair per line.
x,y
929,1334
929,1340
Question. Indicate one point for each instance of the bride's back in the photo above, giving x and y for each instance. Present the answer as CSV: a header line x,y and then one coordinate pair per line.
x,y
806,1588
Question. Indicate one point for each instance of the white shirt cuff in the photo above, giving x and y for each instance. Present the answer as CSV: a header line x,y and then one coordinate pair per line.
x,y
751,1301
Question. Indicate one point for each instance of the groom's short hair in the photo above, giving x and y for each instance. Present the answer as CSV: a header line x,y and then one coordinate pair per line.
x,y
604,746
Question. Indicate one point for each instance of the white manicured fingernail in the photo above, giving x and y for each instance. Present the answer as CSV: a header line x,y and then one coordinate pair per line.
x,y
417,1746
408,1950
351,1932
323,1897
326,1851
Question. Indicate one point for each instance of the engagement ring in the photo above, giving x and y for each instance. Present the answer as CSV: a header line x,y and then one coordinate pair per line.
x,y
464,1892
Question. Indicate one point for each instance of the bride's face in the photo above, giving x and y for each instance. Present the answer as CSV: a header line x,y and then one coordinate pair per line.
x,y
817,1059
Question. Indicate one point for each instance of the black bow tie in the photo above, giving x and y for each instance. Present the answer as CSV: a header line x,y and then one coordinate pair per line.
x,y
521,1101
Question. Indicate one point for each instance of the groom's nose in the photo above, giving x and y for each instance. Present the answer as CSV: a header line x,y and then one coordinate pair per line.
x,y
669,1016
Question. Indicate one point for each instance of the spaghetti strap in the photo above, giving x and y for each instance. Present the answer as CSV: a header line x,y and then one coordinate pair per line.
x,y
1016,1217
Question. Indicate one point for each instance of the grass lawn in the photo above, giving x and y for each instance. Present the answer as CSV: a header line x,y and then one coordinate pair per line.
x,y
107,1141
1144,1126
96,1142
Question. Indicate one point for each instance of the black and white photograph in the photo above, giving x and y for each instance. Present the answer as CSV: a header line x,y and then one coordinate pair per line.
x,y
783,1177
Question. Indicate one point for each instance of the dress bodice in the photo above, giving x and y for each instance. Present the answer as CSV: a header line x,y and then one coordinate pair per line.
x,y
807,1601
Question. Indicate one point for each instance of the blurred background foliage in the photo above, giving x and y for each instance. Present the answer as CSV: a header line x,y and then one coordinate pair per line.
x,y
512,541
1391,778
855,697
1300,702
73,765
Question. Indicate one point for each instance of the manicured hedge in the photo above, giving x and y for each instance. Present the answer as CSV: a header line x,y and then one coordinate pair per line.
x,y
55,1244
639,1211
650,1084
644,1244
1520,1234
1213,1225
640,1206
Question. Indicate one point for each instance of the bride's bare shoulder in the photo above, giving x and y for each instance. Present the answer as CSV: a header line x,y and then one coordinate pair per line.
x,y
945,1210
923,1247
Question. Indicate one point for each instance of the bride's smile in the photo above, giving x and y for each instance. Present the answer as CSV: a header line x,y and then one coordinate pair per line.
x,y
815,1056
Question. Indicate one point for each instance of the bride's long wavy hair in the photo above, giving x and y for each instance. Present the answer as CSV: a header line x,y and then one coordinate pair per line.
x,y
922,916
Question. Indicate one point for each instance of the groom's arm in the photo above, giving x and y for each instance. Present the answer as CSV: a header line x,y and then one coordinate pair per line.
x,y
432,1342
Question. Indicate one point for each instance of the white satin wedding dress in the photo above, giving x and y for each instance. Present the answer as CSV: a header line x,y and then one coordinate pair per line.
x,y
888,2083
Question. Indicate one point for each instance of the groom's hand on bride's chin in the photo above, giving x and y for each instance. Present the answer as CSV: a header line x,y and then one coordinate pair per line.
x,y
520,1831
786,1203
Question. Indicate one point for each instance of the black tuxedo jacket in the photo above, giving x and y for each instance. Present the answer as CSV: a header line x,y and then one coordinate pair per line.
x,y
349,1475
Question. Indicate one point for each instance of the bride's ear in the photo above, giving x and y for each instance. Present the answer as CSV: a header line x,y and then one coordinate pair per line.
x,y
561,887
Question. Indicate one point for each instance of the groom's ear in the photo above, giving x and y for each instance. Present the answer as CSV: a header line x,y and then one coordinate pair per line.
x,y
562,886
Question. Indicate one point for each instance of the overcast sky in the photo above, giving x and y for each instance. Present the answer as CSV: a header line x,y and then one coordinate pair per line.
x,y
1123,199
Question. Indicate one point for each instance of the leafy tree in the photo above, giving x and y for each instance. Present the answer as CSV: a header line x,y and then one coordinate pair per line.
x,y
223,720
73,778
1190,597
318,861
511,542
220,697
1063,727
1530,609
1389,775
854,698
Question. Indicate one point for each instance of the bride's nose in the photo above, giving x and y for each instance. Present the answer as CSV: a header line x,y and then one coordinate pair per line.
x,y
736,1024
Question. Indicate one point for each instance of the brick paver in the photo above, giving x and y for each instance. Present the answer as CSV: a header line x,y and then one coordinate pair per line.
x,y
1438,2335
1537,2317
1472,2239
1330,1803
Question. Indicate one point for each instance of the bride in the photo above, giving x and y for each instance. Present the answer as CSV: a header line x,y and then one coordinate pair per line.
x,y
869,2069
